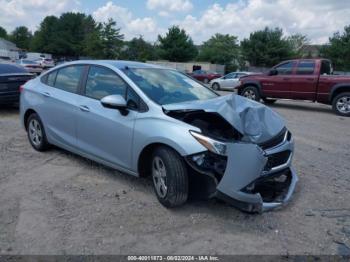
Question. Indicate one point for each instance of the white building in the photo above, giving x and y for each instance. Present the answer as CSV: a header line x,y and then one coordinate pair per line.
x,y
9,49
189,67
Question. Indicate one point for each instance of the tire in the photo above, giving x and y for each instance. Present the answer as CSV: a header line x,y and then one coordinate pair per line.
x,y
251,92
206,81
269,101
341,104
215,86
36,133
168,166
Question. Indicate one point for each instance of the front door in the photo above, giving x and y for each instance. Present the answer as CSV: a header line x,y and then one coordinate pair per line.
x,y
279,85
105,133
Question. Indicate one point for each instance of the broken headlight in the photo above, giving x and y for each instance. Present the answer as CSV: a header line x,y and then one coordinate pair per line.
x,y
212,145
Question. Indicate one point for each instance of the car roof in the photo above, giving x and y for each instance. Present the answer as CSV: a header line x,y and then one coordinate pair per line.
x,y
119,64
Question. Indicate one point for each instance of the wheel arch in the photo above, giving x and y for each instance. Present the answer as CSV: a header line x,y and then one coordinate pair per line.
x,y
26,115
337,89
250,83
144,157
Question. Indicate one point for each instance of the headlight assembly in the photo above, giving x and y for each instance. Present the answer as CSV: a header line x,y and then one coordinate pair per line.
x,y
212,145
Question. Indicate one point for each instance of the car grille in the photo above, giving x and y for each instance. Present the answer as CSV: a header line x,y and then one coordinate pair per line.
x,y
277,159
275,141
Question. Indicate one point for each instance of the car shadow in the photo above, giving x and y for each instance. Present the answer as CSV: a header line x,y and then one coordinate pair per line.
x,y
196,203
306,106
9,110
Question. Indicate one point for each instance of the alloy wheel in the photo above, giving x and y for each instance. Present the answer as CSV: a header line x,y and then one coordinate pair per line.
x,y
35,132
343,104
159,176
250,94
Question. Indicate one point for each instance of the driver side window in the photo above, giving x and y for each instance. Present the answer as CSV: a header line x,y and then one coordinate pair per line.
x,y
103,82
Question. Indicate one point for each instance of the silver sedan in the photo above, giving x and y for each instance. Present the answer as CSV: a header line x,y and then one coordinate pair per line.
x,y
147,120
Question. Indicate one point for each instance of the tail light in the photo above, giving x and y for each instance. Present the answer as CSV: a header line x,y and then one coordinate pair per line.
x,y
21,88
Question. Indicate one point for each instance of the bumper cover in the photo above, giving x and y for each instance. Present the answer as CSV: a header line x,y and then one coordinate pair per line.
x,y
250,170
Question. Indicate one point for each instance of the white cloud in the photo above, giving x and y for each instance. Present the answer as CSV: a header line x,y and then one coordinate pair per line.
x,y
318,19
170,6
31,12
130,26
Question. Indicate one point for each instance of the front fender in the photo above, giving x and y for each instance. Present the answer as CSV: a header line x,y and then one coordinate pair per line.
x,y
167,131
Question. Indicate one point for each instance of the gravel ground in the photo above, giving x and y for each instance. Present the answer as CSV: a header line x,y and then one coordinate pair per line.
x,y
60,203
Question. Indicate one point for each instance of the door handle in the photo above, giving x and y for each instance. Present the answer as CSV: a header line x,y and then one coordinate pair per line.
x,y
47,94
309,79
84,108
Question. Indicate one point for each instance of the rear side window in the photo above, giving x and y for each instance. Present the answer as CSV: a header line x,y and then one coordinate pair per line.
x,y
305,68
103,82
68,78
49,79
285,69
326,68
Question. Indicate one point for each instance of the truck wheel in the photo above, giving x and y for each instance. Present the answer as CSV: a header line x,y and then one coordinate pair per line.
x,y
251,92
169,175
269,101
341,104
206,81
215,86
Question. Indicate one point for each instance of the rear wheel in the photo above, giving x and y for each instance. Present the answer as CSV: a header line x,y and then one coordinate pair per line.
x,y
269,101
215,86
251,92
206,81
36,133
169,175
341,104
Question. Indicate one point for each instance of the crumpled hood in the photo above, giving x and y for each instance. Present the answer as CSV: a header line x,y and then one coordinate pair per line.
x,y
256,122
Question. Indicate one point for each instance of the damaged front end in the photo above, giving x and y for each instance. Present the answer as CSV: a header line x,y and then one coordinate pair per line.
x,y
249,152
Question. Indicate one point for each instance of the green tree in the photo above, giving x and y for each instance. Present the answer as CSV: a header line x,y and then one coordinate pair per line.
x,y
112,40
296,42
3,33
266,47
22,37
338,49
137,49
72,34
177,46
221,49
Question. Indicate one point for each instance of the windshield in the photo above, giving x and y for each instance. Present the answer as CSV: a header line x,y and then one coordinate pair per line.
x,y
165,86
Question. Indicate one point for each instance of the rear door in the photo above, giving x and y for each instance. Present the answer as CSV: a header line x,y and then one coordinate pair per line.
x,y
279,85
59,107
305,80
102,132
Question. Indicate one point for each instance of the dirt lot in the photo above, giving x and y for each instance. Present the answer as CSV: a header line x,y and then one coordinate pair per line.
x,y
59,203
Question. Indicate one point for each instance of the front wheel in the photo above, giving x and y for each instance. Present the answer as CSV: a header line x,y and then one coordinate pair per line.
x,y
169,175
206,81
341,104
215,86
251,92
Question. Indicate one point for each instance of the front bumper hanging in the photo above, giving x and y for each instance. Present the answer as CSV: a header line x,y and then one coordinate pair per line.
x,y
258,178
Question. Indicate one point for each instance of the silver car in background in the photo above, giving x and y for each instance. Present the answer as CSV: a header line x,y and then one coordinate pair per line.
x,y
228,82
146,120
30,65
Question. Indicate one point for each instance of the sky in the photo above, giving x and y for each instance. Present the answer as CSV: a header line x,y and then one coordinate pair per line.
x,y
318,19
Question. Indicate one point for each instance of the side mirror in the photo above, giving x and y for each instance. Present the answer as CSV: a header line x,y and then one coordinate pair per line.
x,y
273,72
114,102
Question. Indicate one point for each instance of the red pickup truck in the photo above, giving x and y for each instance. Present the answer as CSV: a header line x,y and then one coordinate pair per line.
x,y
301,79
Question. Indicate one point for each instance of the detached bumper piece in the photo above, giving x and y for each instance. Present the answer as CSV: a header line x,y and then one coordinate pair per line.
x,y
259,178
